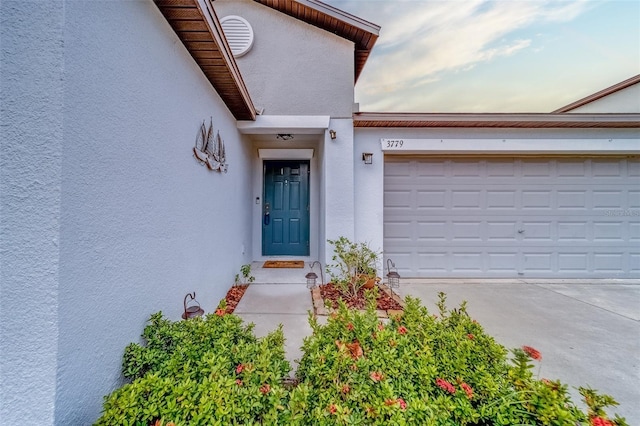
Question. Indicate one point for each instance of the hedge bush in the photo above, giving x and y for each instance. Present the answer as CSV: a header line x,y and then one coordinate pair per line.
x,y
414,369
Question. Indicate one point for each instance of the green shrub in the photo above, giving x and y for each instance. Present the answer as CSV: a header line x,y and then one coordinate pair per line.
x,y
414,369
203,371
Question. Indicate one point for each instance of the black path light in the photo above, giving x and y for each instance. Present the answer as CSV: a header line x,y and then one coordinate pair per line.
x,y
312,276
393,277
194,309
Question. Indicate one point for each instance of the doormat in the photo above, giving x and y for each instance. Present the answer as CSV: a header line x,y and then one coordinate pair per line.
x,y
284,264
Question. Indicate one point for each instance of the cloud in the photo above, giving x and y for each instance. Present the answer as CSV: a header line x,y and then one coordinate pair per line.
x,y
422,40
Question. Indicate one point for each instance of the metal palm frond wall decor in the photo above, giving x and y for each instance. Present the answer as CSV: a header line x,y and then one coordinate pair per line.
x,y
209,149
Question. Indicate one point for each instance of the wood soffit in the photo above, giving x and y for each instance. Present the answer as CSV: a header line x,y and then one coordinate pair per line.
x,y
534,121
199,29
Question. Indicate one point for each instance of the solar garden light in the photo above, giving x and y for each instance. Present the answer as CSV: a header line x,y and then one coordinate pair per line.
x,y
312,276
194,310
393,277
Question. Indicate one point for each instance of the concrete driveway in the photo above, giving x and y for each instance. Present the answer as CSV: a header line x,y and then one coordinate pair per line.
x,y
588,331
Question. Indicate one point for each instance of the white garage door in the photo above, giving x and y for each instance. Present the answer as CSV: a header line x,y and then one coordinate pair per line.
x,y
536,217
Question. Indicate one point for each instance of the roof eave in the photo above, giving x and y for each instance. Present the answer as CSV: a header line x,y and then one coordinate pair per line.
x,y
495,120
196,24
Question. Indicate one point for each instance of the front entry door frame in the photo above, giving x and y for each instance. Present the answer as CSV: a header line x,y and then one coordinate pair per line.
x,y
286,208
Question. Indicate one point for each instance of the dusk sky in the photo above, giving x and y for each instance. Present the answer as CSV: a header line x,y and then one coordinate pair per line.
x,y
494,56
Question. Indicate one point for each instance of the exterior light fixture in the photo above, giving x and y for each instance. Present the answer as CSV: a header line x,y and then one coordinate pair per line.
x,y
312,276
367,157
284,136
393,277
194,309
333,134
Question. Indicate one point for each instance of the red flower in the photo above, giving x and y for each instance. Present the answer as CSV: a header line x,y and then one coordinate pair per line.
x,y
599,421
238,382
402,330
265,389
380,326
446,386
467,389
376,376
345,389
239,368
403,405
533,353
220,312
332,408
470,336
350,327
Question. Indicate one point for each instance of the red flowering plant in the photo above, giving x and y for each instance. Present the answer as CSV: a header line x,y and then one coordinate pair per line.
x,y
416,368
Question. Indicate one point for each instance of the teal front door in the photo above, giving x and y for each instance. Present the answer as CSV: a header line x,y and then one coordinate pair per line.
x,y
285,208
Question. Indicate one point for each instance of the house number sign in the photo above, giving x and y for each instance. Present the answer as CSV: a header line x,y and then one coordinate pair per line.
x,y
392,144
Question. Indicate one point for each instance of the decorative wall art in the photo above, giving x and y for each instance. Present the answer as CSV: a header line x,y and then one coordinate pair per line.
x,y
209,149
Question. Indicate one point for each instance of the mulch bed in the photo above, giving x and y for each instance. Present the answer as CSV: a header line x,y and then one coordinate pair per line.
x,y
331,293
234,295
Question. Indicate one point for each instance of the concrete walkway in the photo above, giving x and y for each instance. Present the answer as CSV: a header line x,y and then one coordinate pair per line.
x,y
588,331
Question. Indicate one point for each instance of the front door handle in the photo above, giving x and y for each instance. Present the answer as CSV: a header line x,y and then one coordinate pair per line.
x,y
267,216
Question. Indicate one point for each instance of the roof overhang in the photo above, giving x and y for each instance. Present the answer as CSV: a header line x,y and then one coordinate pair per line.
x,y
314,12
196,24
534,121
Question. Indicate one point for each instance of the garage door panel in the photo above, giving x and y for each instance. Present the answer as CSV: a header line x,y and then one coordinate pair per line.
x,y
398,199
573,262
608,262
432,230
431,200
634,201
503,262
499,231
398,231
467,261
462,231
538,261
536,231
607,199
571,199
504,199
464,199
634,232
501,217
573,231
430,263
536,199
607,169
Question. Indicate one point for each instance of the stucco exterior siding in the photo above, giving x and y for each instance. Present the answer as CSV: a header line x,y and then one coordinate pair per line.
x,y
624,101
31,118
106,215
293,68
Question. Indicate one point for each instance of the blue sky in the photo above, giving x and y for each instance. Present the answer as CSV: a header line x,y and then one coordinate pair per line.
x,y
494,56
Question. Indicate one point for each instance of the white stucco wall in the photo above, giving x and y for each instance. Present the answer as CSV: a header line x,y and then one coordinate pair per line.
x,y
106,215
293,67
338,184
626,100
31,102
